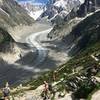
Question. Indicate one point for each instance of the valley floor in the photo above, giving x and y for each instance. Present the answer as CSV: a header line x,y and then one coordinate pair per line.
x,y
27,61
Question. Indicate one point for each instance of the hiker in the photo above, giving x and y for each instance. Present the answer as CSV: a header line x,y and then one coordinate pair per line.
x,y
51,90
54,75
6,92
45,91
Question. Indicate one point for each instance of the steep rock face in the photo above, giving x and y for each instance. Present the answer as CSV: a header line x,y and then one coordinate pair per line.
x,y
84,34
12,14
85,8
4,36
78,12
88,6
59,8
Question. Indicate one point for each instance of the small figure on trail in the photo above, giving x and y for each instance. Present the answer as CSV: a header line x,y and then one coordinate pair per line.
x,y
20,56
6,91
20,86
54,75
51,90
45,91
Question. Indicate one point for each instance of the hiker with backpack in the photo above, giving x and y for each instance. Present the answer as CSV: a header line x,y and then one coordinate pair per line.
x,y
45,91
6,92
51,90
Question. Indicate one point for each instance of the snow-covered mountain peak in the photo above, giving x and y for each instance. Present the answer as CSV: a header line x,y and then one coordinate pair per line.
x,y
60,3
33,7
60,8
82,1
66,3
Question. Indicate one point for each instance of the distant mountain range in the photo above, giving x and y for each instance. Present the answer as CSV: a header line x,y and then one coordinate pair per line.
x,y
49,8
56,10
34,7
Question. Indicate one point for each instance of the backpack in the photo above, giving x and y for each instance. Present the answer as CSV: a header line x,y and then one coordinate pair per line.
x,y
6,90
50,87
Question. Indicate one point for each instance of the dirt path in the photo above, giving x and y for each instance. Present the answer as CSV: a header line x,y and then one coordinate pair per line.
x,y
36,95
96,95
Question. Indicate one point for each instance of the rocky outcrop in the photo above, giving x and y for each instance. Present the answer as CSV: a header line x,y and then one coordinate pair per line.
x,y
11,15
78,12
59,8
85,33
88,6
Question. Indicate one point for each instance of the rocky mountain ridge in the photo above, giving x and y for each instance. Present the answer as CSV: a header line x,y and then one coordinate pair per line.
x,y
60,8
73,18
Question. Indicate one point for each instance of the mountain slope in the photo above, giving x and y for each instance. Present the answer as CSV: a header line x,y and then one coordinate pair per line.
x,y
79,72
85,33
12,14
79,75
64,26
